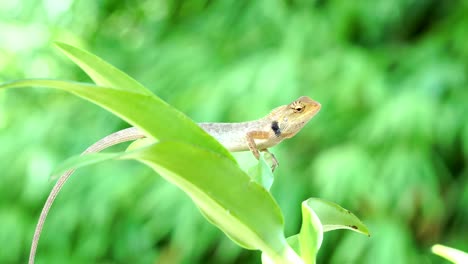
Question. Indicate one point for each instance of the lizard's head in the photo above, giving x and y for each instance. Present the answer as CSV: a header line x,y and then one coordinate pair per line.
x,y
289,119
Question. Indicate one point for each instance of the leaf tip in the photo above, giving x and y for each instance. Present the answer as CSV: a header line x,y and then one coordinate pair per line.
x,y
65,47
61,45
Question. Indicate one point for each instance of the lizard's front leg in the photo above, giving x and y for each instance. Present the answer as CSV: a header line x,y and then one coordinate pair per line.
x,y
251,136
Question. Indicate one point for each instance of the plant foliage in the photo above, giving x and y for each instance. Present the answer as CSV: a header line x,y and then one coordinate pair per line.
x,y
194,161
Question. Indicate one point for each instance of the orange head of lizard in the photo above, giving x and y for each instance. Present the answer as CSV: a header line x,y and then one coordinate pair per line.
x,y
289,119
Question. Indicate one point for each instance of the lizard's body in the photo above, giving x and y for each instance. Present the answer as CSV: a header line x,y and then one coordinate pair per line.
x,y
258,135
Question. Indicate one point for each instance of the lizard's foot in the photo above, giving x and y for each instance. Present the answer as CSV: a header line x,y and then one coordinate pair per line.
x,y
271,159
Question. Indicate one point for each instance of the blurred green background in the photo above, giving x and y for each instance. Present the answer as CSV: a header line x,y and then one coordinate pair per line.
x,y
390,143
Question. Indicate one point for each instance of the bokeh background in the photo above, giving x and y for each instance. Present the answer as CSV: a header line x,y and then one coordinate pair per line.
x,y
390,143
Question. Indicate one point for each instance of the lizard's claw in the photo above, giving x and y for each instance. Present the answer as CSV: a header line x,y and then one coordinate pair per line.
x,y
270,158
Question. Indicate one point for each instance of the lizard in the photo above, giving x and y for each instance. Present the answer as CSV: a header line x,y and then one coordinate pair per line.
x,y
258,135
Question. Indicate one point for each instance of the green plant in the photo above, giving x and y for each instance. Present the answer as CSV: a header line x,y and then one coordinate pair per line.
x,y
454,255
237,203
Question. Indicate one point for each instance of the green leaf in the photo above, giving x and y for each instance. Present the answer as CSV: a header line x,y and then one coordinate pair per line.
x,y
261,172
239,206
319,216
307,243
229,199
311,235
454,255
101,72
154,117
293,242
140,143
333,216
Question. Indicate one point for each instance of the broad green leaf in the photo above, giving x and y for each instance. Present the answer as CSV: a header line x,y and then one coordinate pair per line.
x,y
261,172
227,196
307,243
454,255
232,201
101,72
293,242
151,115
139,143
319,216
333,216
311,235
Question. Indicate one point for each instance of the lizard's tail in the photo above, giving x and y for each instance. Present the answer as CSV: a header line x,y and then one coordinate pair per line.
x,y
118,137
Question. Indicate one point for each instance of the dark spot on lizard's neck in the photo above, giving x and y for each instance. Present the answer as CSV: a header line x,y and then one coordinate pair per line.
x,y
275,128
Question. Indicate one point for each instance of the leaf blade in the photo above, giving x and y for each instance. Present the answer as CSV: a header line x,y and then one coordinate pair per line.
x,y
101,72
225,195
154,117
203,174
454,255
332,216
311,235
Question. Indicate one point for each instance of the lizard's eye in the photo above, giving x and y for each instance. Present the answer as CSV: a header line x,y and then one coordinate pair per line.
x,y
298,109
